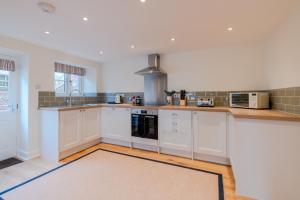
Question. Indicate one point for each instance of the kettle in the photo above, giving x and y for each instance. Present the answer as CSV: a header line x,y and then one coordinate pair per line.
x,y
118,99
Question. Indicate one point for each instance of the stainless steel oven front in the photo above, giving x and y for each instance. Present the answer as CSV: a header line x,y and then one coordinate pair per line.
x,y
144,123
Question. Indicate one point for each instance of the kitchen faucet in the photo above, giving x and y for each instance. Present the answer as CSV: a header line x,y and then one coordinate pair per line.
x,y
69,101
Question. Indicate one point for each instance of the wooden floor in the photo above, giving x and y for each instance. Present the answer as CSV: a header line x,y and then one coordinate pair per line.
x,y
228,179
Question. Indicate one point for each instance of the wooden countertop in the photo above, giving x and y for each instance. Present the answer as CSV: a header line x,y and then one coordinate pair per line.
x,y
235,112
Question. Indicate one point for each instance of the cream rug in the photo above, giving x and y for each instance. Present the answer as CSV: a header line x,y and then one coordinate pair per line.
x,y
112,176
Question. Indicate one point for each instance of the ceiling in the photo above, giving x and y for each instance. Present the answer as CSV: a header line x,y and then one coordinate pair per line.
x,y
114,25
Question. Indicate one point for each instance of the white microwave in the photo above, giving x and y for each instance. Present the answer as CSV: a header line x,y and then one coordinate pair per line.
x,y
255,100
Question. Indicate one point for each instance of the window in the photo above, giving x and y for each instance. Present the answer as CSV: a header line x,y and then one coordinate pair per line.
x,y
4,104
67,83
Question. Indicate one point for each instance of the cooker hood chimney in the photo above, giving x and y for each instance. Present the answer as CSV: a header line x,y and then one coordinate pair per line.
x,y
153,66
155,82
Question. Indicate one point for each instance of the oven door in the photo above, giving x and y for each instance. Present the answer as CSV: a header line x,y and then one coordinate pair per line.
x,y
151,127
137,125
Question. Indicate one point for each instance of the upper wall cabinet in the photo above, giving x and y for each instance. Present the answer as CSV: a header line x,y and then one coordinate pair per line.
x,y
210,133
116,123
175,129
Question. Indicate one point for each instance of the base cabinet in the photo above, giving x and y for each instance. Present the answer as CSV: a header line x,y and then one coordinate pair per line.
x,y
115,123
175,130
64,133
210,133
70,129
90,125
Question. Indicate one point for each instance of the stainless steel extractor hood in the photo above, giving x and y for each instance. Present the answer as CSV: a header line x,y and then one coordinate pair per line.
x,y
155,82
153,66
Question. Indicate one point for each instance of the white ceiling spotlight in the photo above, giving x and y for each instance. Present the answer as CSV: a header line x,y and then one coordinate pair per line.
x,y
143,1
132,46
46,7
229,29
173,39
47,32
101,52
85,19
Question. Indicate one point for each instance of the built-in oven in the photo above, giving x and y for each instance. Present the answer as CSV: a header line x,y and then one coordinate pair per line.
x,y
144,123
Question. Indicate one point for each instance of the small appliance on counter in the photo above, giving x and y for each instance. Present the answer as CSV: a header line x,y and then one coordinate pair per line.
x,y
254,100
205,102
118,99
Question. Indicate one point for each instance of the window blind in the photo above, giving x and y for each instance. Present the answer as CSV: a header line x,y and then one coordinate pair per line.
x,y
7,65
69,69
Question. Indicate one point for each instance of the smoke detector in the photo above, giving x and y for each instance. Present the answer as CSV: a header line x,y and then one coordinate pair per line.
x,y
46,7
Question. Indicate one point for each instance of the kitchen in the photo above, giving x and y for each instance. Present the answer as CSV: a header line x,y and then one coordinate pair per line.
x,y
226,103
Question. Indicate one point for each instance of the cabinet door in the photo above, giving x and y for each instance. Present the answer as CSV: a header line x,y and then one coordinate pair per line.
x,y
90,128
210,133
116,123
175,129
70,129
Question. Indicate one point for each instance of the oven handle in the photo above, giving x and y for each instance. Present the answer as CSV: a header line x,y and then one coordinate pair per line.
x,y
151,117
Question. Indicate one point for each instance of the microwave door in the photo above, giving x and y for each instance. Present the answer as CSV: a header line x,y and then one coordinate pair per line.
x,y
240,100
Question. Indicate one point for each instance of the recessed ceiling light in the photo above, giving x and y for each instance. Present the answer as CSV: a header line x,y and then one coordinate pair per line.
x,y
101,52
132,46
143,1
229,29
47,32
85,19
173,39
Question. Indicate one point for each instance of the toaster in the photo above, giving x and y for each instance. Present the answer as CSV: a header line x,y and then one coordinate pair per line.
x,y
205,102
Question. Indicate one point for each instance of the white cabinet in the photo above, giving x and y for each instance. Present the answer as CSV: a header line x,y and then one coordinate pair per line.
x,y
70,129
64,133
115,123
175,129
210,133
90,125
78,127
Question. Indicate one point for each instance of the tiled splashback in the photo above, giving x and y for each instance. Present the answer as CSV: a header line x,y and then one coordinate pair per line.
x,y
110,97
48,99
221,98
286,99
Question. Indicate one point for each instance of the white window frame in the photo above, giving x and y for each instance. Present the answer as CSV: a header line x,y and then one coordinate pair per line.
x,y
68,88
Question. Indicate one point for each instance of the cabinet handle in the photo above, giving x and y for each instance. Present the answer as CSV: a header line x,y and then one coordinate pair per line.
x,y
174,114
174,123
175,130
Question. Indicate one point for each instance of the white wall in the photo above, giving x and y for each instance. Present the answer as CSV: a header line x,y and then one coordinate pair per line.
x,y
38,75
215,69
283,54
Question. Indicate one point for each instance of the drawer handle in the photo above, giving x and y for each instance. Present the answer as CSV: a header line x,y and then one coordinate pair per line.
x,y
174,114
174,123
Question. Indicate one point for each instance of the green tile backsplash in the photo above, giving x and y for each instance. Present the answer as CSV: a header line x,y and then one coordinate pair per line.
x,y
286,99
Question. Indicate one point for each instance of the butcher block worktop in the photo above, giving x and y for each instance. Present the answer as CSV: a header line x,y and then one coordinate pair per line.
x,y
236,112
